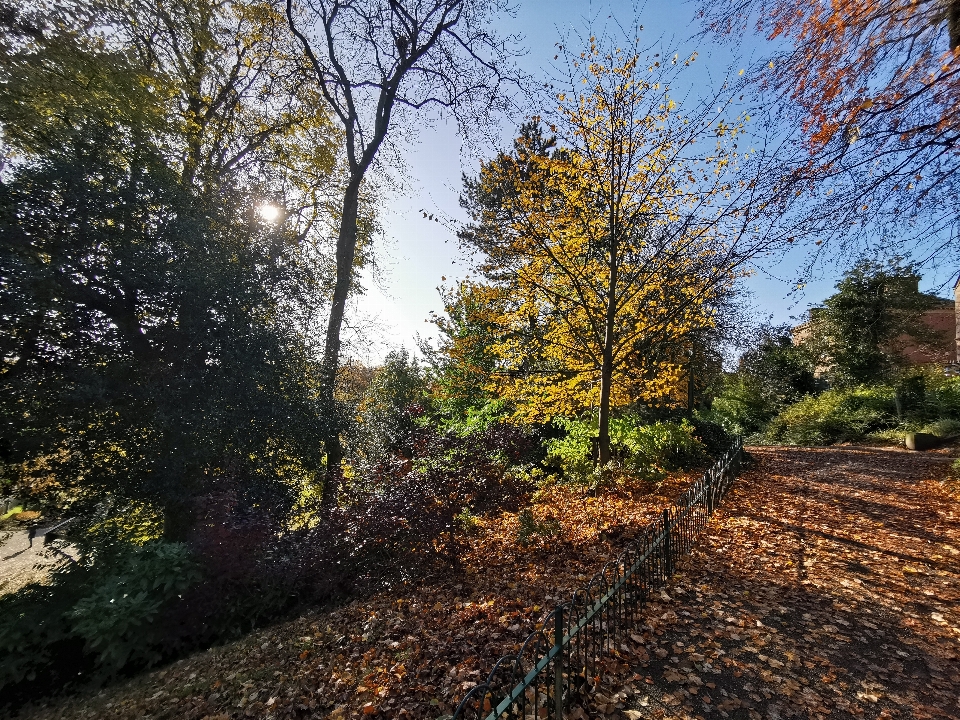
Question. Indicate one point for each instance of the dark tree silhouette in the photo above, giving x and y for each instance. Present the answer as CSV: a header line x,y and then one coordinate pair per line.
x,y
380,65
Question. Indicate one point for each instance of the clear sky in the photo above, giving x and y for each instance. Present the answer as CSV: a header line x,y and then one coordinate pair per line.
x,y
417,255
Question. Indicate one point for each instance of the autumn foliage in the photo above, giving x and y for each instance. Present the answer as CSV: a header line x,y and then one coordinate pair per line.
x,y
875,89
608,237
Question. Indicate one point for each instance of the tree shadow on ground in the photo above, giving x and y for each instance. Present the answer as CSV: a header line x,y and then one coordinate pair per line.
x,y
796,607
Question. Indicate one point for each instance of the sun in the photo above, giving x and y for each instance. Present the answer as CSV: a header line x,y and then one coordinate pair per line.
x,y
270,213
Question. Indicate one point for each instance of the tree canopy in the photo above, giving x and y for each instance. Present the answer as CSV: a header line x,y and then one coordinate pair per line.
x,y
874,88
611,238
157,332
861,329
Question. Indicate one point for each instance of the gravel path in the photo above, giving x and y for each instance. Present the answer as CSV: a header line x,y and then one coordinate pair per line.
x,y
21,564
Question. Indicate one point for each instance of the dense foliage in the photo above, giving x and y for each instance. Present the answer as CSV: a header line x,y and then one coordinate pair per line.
x,y
641,449
145,354
772,374
882,412
861,329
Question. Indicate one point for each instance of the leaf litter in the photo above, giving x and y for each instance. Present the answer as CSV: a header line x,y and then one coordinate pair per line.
x,y
826,586
412,651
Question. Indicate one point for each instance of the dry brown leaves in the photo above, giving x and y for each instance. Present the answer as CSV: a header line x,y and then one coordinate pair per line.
x,y
410,653
827,586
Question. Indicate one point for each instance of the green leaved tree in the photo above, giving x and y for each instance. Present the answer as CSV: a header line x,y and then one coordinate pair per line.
x,y
861,330
146,360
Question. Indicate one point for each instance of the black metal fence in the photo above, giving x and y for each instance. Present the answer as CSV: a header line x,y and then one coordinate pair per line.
x,y
550,672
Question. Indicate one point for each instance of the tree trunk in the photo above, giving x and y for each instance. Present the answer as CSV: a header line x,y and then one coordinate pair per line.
x,y
179,519
346,254
606,366
953,24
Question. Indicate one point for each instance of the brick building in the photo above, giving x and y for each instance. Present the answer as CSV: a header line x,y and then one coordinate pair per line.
x,y
938,346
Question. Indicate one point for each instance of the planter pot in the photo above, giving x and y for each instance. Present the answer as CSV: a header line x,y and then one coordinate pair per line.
x,y
921,441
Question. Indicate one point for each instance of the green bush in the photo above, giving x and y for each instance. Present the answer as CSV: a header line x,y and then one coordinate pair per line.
x,y
835,416
924,402
103,614
943,428
941,399
116,616
714,437
644,450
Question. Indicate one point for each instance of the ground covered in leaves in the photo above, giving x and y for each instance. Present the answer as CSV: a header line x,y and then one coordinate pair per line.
x,y
827,585
411,651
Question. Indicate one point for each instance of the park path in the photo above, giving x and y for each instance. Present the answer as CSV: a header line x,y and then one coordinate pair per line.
x,y
828,586
22,563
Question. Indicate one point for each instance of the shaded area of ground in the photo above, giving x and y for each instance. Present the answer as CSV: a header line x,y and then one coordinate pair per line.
x,y
828,586
412,651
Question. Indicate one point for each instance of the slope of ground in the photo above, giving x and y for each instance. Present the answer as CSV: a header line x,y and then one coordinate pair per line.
x,y
827,586
409,652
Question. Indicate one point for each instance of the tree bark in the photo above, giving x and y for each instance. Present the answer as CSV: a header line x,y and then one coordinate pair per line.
x,y
179,520
606,366
346,255
953,24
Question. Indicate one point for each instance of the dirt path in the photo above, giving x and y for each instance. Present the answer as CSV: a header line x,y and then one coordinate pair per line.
x,y
23,562
827,586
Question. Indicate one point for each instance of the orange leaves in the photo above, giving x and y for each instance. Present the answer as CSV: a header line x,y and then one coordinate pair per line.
x,y
770,631
840,48
788,607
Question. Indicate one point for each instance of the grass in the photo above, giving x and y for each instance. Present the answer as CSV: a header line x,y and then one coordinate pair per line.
x,y
13,511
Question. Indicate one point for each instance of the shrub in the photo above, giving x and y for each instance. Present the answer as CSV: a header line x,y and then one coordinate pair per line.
x,y
835,416
404,510
247,577
942,397
98,618
117,615
712,435
644,450
944,428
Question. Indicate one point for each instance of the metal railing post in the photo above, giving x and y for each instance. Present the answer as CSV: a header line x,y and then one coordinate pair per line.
x,y
709,492
667,543
558,664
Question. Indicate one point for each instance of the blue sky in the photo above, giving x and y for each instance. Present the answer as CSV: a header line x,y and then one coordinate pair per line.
x,y
417,254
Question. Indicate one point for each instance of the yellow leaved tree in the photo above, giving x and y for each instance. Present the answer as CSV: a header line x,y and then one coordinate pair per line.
x,y
613,238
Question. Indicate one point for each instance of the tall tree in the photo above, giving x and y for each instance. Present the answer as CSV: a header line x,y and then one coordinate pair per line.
x,y
379,64
874,88
860,329
218,84
616,242
145,358
166,325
